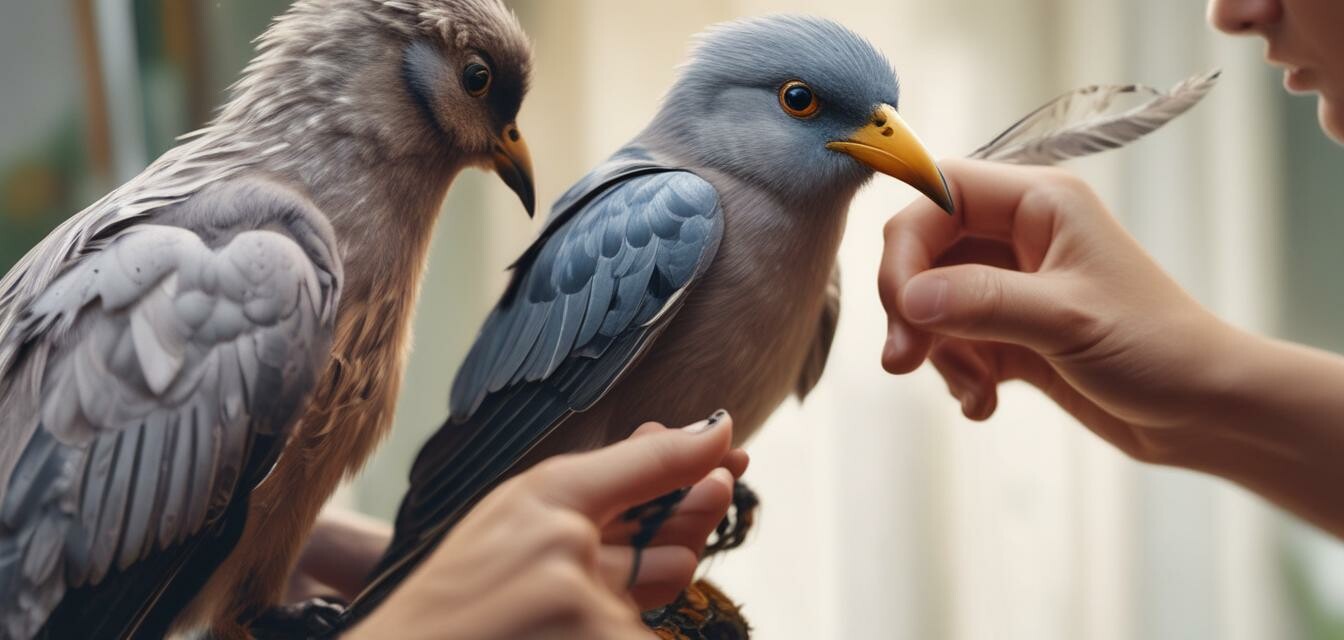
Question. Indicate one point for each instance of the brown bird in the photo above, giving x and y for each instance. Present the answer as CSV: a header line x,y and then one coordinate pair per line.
x,y
190,366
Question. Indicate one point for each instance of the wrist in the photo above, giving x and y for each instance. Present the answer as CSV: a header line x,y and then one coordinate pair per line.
x,y
1260,398
1202,387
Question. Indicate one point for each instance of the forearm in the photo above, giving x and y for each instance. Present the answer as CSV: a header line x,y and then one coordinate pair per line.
x,y
343,549
1279,428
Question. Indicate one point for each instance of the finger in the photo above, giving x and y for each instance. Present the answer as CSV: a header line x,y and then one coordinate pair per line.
x,y
988,197
913,240
908,346
662,573
603,483
998,305
971,250
969,378
648,428
736,462
694,519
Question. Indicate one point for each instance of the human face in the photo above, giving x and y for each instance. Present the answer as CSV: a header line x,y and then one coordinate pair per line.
x,y
1305,37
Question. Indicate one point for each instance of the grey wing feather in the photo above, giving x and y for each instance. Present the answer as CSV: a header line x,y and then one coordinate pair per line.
x,y
586,301
1084,122
815,364
159,360
211,156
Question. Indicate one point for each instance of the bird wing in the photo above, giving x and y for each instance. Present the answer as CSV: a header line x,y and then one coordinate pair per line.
x,y
815,364
153,384
585,301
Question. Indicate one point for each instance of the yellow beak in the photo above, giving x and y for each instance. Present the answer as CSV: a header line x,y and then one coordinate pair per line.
x,y
513,163
887,145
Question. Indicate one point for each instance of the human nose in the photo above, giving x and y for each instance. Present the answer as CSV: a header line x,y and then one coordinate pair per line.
x,y
1240,17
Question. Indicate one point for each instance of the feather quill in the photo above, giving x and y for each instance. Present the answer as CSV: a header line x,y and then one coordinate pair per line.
x,y
1086,121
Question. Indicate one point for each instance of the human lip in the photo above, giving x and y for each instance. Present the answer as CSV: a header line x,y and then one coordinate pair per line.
x,y
1298,79
1275,55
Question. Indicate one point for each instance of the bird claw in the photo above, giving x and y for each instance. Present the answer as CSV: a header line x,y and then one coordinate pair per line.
x,y
732,530
310,619
651,515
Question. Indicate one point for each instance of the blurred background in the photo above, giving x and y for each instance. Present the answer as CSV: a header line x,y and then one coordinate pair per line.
x,y
886,514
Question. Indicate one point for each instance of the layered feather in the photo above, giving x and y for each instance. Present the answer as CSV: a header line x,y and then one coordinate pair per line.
x,y
1091,120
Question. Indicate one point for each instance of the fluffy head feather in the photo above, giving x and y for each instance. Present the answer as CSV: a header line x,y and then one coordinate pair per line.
x,y
340,67
724,110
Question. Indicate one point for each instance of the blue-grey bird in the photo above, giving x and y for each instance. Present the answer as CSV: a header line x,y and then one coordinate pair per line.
x,y
695,268
190,366
690,271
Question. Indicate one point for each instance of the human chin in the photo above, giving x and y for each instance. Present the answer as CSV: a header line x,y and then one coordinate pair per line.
x,y
1331,114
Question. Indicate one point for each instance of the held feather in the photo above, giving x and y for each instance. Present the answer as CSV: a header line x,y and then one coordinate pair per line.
x,y
1085,121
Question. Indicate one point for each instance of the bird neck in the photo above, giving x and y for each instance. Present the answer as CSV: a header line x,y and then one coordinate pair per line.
x,y
382,207
774,232
384,219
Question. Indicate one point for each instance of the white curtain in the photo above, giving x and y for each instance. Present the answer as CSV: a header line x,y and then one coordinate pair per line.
x,y
886,514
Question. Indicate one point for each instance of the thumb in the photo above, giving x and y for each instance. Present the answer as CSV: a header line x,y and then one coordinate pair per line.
x,y
978,302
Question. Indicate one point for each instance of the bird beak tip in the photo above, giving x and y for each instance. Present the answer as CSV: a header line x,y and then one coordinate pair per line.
x,y
886,144
944,199
513,163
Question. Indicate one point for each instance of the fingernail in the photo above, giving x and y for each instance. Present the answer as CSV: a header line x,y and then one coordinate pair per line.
x,y
924,299
708,423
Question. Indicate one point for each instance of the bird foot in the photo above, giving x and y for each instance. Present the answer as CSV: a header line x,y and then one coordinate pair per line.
x,y
650,516
732,531
310,619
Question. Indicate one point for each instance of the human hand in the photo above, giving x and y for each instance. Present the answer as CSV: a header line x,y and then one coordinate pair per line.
x,y
338,556
546,555
1034,279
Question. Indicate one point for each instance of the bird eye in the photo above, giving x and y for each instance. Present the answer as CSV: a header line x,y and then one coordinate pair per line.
x,y
476,79
798,100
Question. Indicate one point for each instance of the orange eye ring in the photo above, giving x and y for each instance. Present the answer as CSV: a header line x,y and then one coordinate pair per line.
x,y
798,100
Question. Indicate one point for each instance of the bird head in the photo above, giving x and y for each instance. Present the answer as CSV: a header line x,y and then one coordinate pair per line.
x,y
466,69
800,105
439,80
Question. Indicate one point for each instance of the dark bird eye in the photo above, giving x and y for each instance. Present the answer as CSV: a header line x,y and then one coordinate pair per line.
x,y
476,79
797,99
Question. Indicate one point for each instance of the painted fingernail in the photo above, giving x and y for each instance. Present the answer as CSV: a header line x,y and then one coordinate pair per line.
x,y
924,299
708,423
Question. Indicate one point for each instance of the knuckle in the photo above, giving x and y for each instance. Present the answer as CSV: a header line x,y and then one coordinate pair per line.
x,y
565,579
573,533
549,472
1083,330
1063,180
513,489
987,296
892,228
1061,188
